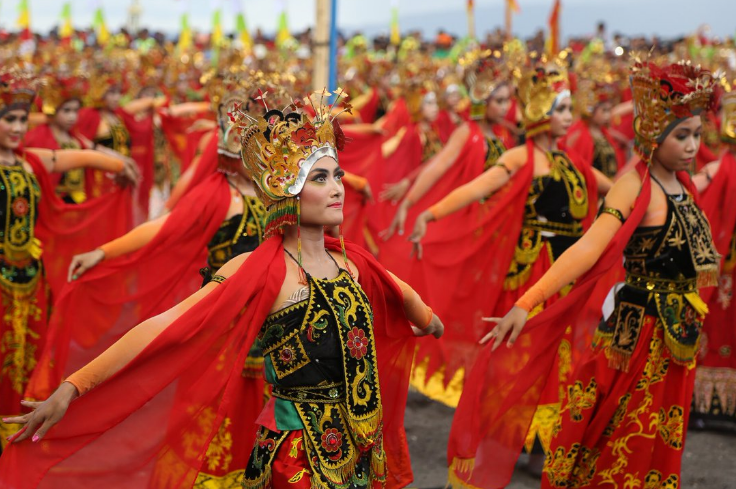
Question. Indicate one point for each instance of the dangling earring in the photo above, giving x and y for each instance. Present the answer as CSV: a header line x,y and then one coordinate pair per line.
x,y
302,272
344,254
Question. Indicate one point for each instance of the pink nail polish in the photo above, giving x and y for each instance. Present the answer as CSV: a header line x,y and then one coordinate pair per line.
x,y
35,438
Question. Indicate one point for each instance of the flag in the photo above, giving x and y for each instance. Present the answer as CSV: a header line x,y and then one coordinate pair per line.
x,y
185,34
282,31
242,29
24,19
66,30
553,41
471,19
216,36
395,32
103,35
513,6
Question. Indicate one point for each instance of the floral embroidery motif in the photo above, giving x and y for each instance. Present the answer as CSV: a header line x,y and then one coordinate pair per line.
x,y
331,440
671,426
653,480
357,343
575,468
618,416
581,399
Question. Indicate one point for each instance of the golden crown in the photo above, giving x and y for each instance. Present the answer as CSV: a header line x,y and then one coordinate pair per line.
x,y
17,88
280,148
728,121
663,95
62,88
483,72
596,83
538,90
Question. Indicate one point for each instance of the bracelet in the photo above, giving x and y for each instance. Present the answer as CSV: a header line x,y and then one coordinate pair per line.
x,y
53,157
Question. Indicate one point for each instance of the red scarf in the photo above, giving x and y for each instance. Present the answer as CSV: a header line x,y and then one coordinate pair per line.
x,y
139,416
503,388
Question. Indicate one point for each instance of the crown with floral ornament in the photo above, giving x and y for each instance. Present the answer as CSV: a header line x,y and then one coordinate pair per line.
x,y
279,149
62,87
596,84
664,95
728,120
18,88
539,88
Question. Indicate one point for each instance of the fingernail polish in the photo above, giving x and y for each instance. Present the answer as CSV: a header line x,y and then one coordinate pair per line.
x,y
74,277
35,438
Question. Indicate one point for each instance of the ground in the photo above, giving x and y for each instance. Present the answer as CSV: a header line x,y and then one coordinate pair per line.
x,y
709,461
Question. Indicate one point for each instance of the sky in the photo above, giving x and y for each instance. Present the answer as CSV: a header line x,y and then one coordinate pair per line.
x,y
667,18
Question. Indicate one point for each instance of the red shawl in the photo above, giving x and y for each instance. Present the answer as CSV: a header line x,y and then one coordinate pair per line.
x,y
182,143
466,258
585,146
503,388
141,148
205,167
42,137
102,305
125,433
69,229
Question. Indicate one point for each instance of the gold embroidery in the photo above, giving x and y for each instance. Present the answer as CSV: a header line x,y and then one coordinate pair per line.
x,y
580,399
653,480
671,426
618,416
298,476
575,468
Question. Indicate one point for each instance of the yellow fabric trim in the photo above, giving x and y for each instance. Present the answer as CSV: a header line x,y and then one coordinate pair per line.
x,y
434,387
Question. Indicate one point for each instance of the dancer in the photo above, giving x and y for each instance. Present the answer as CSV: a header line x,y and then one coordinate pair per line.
x,y
336,338
625,412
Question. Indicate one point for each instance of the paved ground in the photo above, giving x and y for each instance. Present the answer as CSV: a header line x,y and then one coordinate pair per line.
x,y
709,461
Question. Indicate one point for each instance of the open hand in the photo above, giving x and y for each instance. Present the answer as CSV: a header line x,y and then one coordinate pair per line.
x,y
513,322
45,414
397,224
83,262
130,175
395,192
434,328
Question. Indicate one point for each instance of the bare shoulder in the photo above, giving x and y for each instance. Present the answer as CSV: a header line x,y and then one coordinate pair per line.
x,y
233,265
514,158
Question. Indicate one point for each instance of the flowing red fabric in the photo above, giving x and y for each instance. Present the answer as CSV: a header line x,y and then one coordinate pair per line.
x,y
140,128
182,142
69,229
135,430
585,146
395,252
717,204
503,388
87,125
103,304
466,258
362,156
370,109
205,167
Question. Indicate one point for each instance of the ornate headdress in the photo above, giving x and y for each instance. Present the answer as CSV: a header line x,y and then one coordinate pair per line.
x,y
237,90
664,96
596,83
279,150
62,88
483,74
728,122
17,89
539,89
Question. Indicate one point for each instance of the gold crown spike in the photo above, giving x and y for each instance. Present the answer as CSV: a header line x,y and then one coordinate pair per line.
x,y
596,83
61,88
664,95
17,88
728,121
280,148
538,91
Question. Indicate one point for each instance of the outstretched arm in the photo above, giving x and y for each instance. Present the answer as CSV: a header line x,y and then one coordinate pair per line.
x,y
68,159
49,412
573,263
417,312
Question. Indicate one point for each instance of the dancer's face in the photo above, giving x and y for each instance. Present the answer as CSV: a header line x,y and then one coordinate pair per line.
x,y
67,114
498,104
13,127
602,114
678,150
561,119
323,195
111,99
430,109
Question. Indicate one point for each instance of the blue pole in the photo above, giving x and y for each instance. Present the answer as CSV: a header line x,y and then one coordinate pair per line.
x,y
332,79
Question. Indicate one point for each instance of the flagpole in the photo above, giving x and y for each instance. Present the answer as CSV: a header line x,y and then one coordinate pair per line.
x,y
321,70
507,3
333,47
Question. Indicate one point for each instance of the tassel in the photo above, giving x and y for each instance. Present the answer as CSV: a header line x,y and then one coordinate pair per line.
x,y
302,272
344,253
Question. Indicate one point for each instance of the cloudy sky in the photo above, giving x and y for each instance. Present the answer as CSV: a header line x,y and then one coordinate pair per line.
x,y
663,17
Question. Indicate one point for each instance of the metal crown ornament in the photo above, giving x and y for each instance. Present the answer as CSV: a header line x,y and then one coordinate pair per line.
x,y
538,90
279,149
17,88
